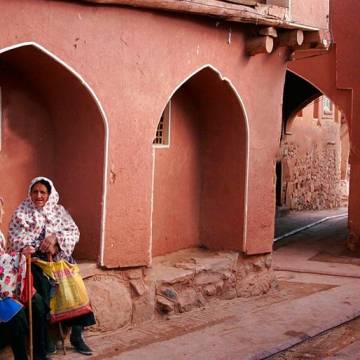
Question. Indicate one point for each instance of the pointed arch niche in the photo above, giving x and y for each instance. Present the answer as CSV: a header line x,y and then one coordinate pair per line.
x,y
200,178
53,125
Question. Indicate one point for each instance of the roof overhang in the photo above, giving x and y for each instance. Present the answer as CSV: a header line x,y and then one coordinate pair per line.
x,y
253,12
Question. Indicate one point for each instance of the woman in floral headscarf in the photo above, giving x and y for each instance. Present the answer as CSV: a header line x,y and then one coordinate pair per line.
x,y
42,224
43,228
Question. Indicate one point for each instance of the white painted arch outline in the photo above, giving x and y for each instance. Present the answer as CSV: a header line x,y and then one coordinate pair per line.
x,y
307,101
247,147
106,128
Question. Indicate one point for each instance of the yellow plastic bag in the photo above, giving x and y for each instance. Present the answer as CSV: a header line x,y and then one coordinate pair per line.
x,y
71,298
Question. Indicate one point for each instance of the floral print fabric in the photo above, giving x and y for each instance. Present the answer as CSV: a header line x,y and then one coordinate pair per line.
x,y
12,272
28,223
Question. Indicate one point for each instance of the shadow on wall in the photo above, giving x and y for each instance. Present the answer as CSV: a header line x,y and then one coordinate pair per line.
x,y
200,178
52,127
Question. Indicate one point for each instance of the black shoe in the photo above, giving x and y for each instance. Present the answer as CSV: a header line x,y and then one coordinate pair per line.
x,y
51,348
81,347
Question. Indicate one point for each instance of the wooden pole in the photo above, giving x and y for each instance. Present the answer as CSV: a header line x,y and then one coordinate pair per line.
x,y
292,38
316,40
259,45
28,263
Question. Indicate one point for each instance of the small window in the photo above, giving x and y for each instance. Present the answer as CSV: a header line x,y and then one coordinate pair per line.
x,y
162,135
327,105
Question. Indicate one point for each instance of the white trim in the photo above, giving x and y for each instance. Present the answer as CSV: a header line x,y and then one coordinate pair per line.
x,y
152,203
170,121
106,127
247,140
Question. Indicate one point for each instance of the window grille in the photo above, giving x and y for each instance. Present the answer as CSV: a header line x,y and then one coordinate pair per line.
x,y
163,129
327,105
159,137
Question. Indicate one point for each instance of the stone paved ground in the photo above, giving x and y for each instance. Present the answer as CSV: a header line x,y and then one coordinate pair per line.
x,y
306,303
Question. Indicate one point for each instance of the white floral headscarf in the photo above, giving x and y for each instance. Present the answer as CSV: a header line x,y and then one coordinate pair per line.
x,y
28,222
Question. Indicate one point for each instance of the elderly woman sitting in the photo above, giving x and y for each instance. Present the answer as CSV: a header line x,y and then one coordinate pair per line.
x,y
43,228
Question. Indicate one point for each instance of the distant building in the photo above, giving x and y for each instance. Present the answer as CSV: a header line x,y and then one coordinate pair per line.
x,y
312,168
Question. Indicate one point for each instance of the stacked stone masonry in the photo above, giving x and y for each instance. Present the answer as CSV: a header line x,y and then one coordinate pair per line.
x,y
175,283
313,155
313,180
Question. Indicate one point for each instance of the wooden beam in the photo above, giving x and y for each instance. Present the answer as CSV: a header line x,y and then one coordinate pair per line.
x,y
316,40
243,2
292,38
216,8
259,45
269,31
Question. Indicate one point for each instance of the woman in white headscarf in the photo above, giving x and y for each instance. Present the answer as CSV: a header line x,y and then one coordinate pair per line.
x,y
43,228
41,224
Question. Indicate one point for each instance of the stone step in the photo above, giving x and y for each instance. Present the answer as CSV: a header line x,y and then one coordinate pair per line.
x,y
174,283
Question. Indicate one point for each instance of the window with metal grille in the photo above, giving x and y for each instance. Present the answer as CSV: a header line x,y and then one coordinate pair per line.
x,y
163,129
327,106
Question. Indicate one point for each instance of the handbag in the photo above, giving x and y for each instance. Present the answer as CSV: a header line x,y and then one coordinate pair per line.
x,y
70,299
8,309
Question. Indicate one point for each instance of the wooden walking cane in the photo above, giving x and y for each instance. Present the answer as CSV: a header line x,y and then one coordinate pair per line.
x,y
28,263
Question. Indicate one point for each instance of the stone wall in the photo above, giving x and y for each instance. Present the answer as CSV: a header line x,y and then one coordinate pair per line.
x,y
175,283
312,181
311,161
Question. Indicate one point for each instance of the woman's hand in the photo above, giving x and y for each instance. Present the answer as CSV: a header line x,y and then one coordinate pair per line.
x,y
28,250
49,244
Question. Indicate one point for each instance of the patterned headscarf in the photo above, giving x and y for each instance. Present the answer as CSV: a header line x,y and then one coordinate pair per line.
x,y
28,223
2,238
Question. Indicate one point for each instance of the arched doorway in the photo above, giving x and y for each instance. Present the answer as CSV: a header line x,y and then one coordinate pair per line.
x,y
314,155
314,151
54,126
200,169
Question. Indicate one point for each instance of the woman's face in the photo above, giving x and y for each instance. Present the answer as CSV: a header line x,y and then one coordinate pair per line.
x,y
39,195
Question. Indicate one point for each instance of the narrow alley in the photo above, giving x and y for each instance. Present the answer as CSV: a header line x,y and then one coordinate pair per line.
x,y
206,166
